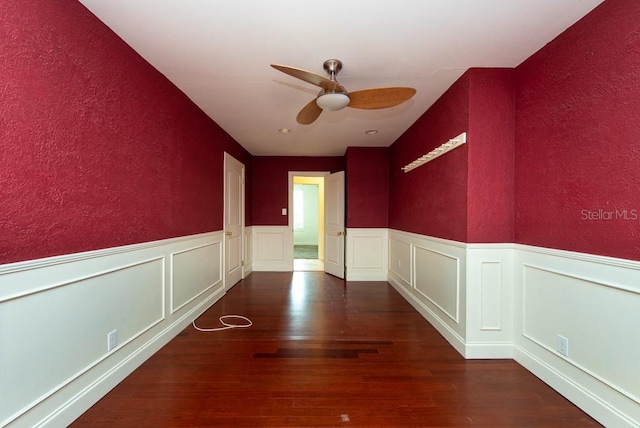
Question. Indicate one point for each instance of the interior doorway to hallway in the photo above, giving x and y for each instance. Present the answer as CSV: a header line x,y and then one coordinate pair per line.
x,y
307,221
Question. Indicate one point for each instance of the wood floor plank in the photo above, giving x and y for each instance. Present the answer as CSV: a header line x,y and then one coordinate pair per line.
x,y
323,352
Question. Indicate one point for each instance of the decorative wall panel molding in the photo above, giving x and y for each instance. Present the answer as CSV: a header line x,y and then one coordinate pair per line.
x,y
593,302
437,286
188,279
517,299
513,301
489,300
272,249
400,265
248,251
367,255
491,296
51,305
604,313
437,279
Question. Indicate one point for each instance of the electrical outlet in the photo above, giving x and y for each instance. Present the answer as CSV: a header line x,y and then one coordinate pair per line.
x,y
563,345
112,340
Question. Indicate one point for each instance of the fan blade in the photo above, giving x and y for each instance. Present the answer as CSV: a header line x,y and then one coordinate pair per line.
x,y
380,97
309,113
310,77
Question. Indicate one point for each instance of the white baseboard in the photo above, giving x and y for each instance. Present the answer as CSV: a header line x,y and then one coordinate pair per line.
x,y
481,351
584,398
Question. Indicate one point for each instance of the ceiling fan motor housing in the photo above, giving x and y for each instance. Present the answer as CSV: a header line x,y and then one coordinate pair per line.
x,y
332,100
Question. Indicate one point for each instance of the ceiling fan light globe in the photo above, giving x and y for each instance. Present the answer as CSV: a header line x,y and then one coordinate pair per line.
x,y
333,102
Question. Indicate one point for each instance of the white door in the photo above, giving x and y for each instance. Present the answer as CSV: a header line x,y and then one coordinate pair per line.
x,y
233,220
334,231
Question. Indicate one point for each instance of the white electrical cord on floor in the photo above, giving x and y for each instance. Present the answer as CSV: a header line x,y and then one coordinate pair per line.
x,y
226,325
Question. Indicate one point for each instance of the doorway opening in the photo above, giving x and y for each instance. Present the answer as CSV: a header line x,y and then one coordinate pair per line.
x,y
308,223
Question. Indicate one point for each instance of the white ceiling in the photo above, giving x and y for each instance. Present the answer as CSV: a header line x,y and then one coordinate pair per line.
x,y
219,52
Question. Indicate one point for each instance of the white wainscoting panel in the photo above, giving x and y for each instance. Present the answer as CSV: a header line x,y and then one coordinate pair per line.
x,y
594,302
437,286
489,301
491,296
367,257
517,299
400,267
603,314
248,251
86,307
273,249
438,280
56,313
189,279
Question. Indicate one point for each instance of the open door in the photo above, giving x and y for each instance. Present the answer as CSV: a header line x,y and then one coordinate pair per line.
x,y
334,224
233,220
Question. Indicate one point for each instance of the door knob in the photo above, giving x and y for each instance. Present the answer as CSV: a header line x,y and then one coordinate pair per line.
x,y
228,233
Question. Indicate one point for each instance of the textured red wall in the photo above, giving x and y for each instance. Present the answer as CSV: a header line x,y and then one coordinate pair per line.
x,y
271,183
491,134
97,149
432,199
577,133
367,186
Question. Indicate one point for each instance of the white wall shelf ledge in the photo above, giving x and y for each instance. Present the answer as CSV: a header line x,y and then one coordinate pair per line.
x,y
438,151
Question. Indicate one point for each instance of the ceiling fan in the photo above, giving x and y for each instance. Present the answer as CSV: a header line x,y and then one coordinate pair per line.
x,y
333,96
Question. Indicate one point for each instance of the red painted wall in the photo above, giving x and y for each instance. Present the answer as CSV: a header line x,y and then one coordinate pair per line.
x,y
367,186
270,189
577,137
432,199
490,191
97,148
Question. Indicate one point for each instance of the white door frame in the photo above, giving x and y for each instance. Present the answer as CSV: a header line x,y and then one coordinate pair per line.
x,y
289,237
334,229
227,159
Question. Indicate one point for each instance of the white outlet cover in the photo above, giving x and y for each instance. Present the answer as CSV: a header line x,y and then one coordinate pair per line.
x,y
563,345
112,340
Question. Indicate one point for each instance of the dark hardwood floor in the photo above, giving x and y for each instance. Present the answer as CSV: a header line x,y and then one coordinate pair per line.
x,y
322,352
